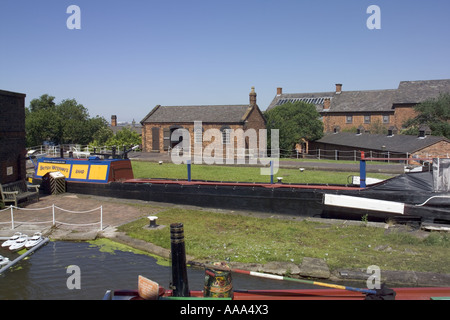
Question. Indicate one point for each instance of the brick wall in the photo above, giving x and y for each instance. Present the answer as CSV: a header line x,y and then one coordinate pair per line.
x,y
332,120
397,118
403,113
12,137
255,121
437,150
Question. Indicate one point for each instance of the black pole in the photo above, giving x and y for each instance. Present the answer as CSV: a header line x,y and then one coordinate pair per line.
x,y
179,271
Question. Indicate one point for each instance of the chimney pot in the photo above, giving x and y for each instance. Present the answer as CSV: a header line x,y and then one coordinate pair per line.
x,y
338,88
279,91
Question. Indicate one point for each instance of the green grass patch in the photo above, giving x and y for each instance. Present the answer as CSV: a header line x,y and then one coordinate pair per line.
x,y
217,236
242,174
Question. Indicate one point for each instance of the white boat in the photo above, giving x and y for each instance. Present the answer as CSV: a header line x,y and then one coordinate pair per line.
x,y
3,260
19,244
34,240
11,240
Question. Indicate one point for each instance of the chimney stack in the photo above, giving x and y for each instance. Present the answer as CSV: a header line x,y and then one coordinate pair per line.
x,y
253,97
113,121
279,91
338,88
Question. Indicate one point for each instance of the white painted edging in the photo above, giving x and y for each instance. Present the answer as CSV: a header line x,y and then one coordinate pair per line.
x,y
364,203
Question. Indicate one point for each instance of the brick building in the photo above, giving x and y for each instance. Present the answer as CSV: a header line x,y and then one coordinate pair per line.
x,y
162,121
367,110
12,137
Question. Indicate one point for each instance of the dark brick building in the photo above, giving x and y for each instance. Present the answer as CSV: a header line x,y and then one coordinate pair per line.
x,y
12,137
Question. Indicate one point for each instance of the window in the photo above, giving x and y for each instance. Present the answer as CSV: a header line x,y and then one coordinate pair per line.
x,y
198,136
386,118
226,134
367,119
349,119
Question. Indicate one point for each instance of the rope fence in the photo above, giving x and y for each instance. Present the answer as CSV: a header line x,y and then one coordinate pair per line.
x,y
53,221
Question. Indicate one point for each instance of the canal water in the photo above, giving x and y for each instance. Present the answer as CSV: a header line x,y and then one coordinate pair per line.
x,y
44,275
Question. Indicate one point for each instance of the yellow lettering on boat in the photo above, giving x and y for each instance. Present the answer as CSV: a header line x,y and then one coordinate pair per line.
x,y
52,167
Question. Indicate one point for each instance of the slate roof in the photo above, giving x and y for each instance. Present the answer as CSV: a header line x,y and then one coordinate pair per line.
x,y
363,101
396,143
205,113
419,91
369,100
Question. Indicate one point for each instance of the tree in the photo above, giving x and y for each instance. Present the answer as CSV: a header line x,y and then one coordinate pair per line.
x,y
296,121
124,137
434,113
102,132
42,122
64,123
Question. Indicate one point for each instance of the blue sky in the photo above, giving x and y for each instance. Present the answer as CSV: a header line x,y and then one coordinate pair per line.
x,y
131,55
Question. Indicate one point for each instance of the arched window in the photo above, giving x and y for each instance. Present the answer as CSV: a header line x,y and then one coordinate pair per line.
x,y
226,131
198,135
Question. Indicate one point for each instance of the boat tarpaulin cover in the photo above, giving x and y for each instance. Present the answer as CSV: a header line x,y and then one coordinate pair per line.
x,y
417,181
441,175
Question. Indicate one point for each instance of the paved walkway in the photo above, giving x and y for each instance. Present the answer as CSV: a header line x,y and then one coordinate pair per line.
x,y
77,216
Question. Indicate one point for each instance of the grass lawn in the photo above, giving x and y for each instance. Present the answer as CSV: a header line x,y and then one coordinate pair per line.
x,y
218,236
143,169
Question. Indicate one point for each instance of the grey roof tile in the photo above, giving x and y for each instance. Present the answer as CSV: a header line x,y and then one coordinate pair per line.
x,y
419,91
370,100
395,143
205,113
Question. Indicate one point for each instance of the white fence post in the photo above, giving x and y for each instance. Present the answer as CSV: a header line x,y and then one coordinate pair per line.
x,y
101,218
12,218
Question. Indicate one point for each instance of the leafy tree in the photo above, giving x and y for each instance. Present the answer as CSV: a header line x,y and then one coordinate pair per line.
x,y
64,123
124,137
435,113
296,121
102,133
42,121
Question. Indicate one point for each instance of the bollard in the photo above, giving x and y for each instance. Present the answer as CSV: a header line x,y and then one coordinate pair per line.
x,y
362,171
189,169
180,284
152,221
